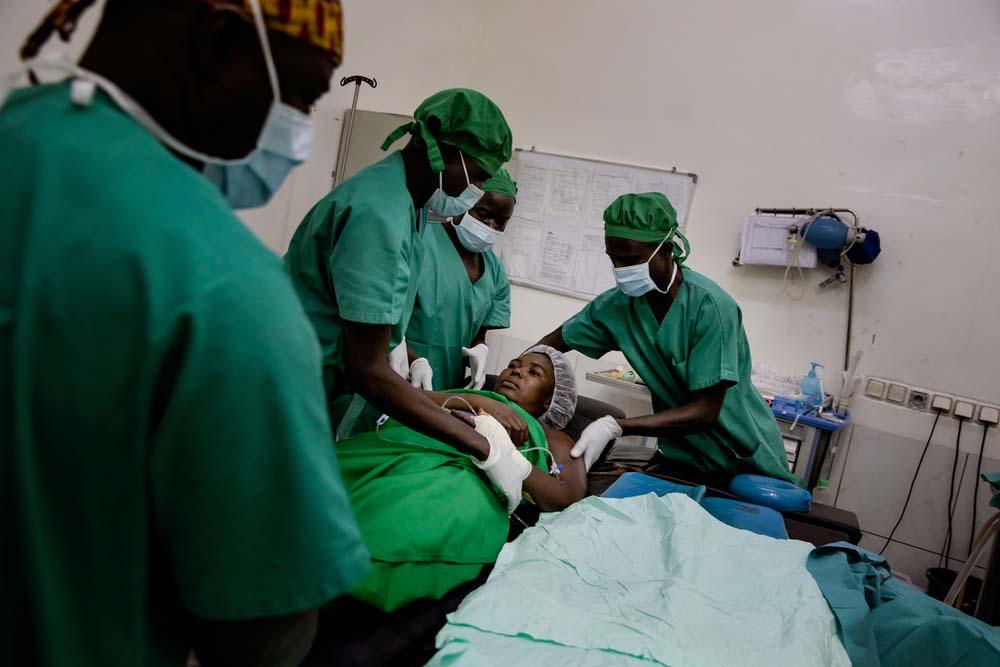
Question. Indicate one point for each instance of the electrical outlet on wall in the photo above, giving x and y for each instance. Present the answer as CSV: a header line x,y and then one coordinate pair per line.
x,y
919,400
896,393
875,389
989,415
964,410
941,403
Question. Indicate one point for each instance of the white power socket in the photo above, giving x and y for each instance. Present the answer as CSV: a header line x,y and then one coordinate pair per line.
x,y
964,410
941,403
875,389
923,400
896,393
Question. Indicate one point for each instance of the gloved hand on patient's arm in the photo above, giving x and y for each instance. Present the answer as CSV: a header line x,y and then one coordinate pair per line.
x,y
595,438
398,360
477,364
505,466
421,374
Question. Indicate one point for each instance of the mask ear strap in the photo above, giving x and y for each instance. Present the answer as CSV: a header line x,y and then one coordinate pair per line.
x,y
673,276
665,239
464,169
265,43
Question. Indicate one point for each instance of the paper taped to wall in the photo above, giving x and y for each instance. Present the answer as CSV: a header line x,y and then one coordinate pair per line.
x,y
555,241
765,241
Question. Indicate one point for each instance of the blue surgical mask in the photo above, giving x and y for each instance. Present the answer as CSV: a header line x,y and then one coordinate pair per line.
x,y
443,204
635,280
284,144
475,235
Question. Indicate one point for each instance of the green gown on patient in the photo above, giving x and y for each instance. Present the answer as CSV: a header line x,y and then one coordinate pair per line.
x,y
430,519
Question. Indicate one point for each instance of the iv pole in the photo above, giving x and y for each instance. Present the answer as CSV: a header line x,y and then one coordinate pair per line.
x,y
357,80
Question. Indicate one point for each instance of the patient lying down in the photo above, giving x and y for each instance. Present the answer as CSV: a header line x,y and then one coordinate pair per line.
x,y
430,518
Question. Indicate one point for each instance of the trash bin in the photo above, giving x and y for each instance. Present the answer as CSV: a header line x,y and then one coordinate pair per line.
x,y
940,580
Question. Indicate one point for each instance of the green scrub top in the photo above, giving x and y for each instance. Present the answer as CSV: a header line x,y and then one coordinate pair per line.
x,y
700,343
356,257
450,309
166,451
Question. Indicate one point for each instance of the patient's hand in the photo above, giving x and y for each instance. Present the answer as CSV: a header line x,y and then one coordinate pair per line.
x,y
508,417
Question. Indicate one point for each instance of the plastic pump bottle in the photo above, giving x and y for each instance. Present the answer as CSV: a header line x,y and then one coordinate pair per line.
x,y
811,387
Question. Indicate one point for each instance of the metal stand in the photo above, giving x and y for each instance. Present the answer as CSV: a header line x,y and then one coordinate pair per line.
x,y
357,80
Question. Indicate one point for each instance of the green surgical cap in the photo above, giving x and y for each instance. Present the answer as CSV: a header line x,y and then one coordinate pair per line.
x,y
648,217
462,117
502,184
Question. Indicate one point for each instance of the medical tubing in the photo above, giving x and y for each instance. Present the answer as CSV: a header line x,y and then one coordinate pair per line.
x,y
975,485
946,547
913,483
378,426
982,541
460,398
541,449
381,435
802,278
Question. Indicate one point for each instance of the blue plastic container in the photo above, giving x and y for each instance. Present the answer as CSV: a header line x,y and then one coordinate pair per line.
x,y
769,492
738,514
637,484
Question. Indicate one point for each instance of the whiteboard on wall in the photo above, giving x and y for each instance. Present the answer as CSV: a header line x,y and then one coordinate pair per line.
x,y
555,239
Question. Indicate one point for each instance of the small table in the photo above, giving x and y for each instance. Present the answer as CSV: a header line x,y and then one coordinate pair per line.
x,y
602,377
808,443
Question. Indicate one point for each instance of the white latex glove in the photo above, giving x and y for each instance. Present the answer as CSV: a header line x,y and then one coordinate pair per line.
x,y
505,466
398,360
421,374
595,438
477,364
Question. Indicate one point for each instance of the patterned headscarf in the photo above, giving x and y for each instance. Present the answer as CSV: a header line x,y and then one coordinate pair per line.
x,y
319,22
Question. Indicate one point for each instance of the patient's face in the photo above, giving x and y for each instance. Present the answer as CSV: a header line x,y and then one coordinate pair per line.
x,y
529,381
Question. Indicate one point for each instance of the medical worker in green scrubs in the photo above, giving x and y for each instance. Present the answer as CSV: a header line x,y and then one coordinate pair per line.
x,y
684,336
356,258
166,478
463,293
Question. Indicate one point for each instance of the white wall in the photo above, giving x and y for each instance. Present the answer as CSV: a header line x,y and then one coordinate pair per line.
x,y
890,108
